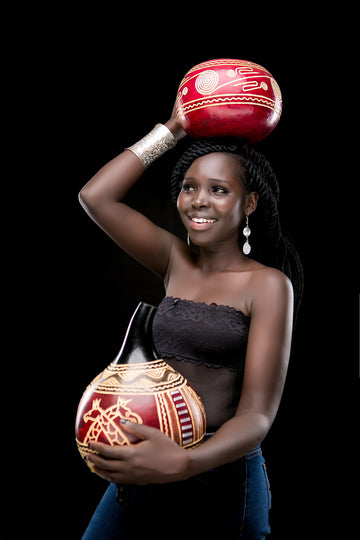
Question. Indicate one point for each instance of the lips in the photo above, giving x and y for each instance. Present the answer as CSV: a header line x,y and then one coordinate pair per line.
x,y
203,220
201,223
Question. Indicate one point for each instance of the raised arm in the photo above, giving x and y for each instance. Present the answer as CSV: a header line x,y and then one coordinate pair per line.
x,y
102,199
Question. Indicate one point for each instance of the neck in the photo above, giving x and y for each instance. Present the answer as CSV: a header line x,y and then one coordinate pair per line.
x,y
221,258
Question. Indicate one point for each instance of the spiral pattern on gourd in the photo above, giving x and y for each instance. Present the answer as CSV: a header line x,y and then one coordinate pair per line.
x,y
207,81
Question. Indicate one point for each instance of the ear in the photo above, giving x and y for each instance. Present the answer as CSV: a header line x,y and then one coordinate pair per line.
x,y
251,204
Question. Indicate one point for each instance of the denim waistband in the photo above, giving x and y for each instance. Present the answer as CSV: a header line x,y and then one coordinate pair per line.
x,y
254,452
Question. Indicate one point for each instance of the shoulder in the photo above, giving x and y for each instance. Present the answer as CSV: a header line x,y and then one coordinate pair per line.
x,y
266,276
271,287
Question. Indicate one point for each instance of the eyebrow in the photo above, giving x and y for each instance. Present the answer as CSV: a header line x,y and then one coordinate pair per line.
x,y
210,180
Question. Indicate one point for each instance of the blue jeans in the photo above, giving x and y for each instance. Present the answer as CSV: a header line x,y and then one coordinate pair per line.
x,y
232,501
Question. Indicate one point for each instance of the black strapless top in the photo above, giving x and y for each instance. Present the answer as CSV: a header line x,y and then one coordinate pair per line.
x,y
209,334
207,344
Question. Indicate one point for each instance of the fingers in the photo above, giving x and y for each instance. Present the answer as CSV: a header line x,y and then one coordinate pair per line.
x,y
109,452
108,461
111,470
120,464
141,431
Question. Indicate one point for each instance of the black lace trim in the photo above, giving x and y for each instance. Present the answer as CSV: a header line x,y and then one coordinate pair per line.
x,y
213,335
171,301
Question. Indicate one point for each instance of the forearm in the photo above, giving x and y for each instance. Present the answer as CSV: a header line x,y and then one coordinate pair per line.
x,y
113,181
233,440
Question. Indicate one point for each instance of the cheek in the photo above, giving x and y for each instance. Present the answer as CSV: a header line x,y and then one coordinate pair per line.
x,y
181,206
182,202
234,214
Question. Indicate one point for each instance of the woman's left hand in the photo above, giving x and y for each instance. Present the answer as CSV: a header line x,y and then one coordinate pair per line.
x,y
156,459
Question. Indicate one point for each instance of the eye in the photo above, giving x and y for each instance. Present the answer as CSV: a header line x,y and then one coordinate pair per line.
x,y
220,190
188,188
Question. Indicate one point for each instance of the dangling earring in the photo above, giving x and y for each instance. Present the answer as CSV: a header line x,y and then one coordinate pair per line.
x,y
246,232
188,239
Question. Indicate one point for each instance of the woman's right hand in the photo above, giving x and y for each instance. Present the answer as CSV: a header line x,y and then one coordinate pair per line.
x,y
174,125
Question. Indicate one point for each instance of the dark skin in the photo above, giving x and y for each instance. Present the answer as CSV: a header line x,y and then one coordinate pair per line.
x,y
212,189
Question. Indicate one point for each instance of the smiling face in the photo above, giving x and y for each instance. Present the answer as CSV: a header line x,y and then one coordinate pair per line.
x,y
213,199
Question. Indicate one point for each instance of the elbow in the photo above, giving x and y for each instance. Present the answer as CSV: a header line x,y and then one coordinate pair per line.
x,y
265,423
87,199
261,426
82,197
258,424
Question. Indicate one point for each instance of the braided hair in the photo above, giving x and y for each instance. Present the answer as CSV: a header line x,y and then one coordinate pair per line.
x,y
271,245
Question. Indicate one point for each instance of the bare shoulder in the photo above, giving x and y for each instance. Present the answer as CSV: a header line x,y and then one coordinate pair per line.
x,y
270,286
270,277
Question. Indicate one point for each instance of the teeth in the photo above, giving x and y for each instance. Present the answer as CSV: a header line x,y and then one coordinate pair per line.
x,y
203,220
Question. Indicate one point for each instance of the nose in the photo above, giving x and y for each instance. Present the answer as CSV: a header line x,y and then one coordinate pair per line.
x,y
200,199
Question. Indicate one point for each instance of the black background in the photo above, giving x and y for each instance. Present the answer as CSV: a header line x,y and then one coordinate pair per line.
x,y
83,85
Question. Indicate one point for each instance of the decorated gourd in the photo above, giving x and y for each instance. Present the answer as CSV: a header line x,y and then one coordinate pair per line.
x,y
142,388
229,97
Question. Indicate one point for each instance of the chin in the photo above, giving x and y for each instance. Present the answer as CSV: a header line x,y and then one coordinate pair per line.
x,y
203,240
200,241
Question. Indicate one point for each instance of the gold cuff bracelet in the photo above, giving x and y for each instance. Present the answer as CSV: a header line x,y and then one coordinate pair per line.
x,y
153,145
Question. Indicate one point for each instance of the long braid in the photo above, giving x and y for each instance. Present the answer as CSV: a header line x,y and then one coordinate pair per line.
x,y
277,250
270,244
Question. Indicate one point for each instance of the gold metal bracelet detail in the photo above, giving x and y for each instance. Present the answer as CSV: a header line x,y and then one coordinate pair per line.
x,y
153,145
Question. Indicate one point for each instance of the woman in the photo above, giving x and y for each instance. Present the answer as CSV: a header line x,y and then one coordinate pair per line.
x,y
225,323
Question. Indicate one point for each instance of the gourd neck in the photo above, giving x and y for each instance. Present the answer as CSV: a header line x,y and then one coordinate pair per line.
x,y
138,344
